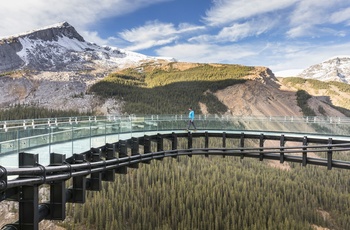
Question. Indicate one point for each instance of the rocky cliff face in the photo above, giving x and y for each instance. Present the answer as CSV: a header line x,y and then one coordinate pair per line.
x,y
60,48
54,33
53,67
9,60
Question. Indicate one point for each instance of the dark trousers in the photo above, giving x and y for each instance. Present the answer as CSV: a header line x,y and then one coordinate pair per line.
x,y
190,122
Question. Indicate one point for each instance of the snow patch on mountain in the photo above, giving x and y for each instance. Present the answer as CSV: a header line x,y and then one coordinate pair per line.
x,y
334,69
62,68
61,48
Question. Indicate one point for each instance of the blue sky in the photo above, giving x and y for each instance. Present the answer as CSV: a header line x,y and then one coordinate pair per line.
x,y
283,35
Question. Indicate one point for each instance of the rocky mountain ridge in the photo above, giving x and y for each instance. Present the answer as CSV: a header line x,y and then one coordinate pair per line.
x,y
54,67
334,69
61,48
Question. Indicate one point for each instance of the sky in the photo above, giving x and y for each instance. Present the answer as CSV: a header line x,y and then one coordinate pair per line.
x,y
286,36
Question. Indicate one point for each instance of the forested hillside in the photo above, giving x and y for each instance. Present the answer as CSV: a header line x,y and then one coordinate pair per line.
x,y
218,89
159,90
333,93
218,193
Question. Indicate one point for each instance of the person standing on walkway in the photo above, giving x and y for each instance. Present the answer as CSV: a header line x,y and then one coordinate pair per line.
x,y
191,119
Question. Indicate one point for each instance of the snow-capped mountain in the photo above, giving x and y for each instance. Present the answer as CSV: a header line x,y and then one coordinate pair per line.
x,y
334,69
60,48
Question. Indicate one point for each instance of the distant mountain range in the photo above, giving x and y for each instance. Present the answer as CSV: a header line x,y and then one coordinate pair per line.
x,y
55,68
61,48
334,69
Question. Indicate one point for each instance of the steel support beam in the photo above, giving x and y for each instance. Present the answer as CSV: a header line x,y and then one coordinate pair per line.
x,y
134,151
160,144
28,197
329,154
123,152
95,180
146,147
174,142
282,142
223,141
206,142
189,142
109,151
261,145
241,144
304,151
78,190
57,191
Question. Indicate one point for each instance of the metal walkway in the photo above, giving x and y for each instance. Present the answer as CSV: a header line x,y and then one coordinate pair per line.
x,y
93,150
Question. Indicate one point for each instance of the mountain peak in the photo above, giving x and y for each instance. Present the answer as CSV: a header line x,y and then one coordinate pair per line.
x,y
334,69
52,32
47,33
60,47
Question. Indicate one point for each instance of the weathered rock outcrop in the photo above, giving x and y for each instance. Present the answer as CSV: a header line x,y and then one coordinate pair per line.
x,y
334,69
60,48
54,33
9,60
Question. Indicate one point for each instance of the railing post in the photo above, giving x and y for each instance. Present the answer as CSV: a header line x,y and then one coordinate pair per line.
x,y
223,141
261,145
123,152
242,145
160,144
189,142
95,180
174,143
304,160
78,190
329,154
109,175
57,191
206,142
146,146
28,197
134,151
282,149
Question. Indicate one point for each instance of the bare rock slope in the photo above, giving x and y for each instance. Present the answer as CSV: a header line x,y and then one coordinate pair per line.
x,y
55,90
54,66
264,95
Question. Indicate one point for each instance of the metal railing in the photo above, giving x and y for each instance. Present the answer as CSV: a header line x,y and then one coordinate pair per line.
x,y
117,153
21,135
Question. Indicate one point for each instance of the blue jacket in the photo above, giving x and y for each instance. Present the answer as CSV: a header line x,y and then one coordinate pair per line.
x,y
191,115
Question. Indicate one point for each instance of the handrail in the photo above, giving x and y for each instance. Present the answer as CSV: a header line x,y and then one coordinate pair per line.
x,y
116,157
45,132
21,124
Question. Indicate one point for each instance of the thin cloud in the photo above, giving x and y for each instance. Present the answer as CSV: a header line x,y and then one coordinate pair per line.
x,y
341,16
311,17
238,31
301,18
276,55
228,11
22,15
155,33
206,53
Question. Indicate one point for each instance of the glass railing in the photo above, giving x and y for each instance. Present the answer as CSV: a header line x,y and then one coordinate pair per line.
x,y
17,136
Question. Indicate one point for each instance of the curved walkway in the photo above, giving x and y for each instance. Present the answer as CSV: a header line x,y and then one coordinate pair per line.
x,y
92,152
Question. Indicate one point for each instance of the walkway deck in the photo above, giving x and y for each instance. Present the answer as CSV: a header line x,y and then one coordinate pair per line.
x,y
83,145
